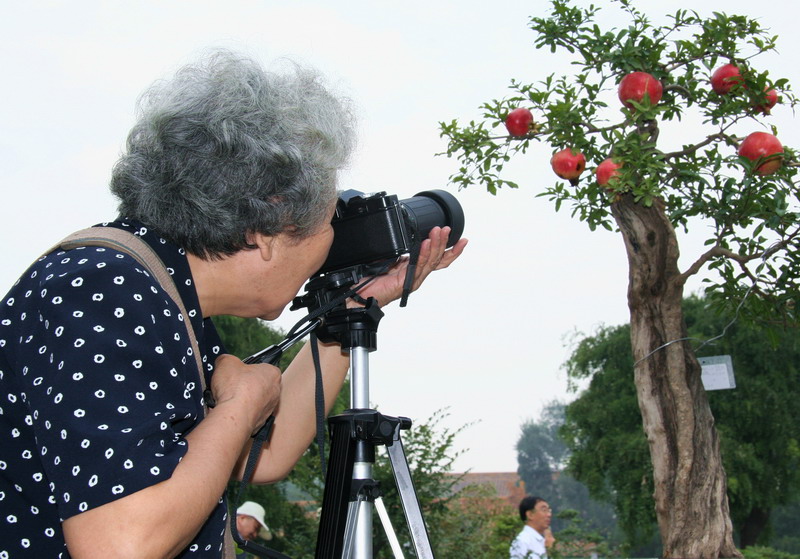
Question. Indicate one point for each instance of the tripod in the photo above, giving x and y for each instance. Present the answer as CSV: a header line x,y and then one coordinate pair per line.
x,y
345,529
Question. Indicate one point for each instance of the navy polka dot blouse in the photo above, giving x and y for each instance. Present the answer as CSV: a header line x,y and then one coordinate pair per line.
x,y
98,388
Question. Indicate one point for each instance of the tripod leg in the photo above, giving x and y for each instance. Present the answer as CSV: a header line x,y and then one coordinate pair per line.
x,y
362,482
350,530
408,497
387,527
336,496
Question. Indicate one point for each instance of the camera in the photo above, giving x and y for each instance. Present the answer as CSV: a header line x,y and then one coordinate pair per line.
x,y
372,228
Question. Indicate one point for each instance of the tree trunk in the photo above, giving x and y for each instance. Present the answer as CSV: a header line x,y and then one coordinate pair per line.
x,y
690,484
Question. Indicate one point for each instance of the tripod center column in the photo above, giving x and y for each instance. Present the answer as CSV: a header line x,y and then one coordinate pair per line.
x,y
359,378
365,454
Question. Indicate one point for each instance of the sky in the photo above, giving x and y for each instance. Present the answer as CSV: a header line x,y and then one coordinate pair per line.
x,y
485,340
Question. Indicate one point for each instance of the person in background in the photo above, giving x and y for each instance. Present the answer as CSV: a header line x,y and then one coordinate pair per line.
x,y
250,521
535,538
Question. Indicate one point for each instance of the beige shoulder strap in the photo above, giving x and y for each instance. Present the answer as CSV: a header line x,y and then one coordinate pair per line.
x,y
111,237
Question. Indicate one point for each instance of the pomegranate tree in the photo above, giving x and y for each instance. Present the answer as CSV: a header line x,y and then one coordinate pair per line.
x,y
662,74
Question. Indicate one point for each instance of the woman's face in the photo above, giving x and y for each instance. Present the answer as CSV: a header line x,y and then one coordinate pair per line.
x,y
294,261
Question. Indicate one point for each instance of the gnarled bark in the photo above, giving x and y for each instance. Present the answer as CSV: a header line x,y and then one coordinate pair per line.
x,y
690,483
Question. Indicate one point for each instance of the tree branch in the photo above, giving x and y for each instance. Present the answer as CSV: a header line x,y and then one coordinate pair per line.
x,y
681,61
741,259
694,147
592,129
676,87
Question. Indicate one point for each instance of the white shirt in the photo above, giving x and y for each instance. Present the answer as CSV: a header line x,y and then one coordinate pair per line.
x,y
529,544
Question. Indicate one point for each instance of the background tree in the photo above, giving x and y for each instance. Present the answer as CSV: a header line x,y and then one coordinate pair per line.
x,y
650,187
245,336
429,451
758,422
784,522
603,430
542,457
541,454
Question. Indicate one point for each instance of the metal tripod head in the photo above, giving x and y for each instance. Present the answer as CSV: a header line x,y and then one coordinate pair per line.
x,y
326,298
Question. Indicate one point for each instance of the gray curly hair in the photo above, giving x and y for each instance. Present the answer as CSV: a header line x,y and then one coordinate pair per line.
x,y
226,149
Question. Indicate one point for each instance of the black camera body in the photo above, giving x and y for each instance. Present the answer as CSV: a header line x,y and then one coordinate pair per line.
x,y
371,228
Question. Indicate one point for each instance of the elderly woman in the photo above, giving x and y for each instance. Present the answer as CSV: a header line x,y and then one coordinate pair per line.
x,y
230,175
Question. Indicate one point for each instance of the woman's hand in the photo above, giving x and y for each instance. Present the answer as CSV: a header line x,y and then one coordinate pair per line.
x,y
252,389
162,519
433,255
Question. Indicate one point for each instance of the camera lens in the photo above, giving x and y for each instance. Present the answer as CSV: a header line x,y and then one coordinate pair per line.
x,y
433,208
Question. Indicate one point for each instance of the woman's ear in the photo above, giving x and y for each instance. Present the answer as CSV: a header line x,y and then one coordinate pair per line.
x,y
265,244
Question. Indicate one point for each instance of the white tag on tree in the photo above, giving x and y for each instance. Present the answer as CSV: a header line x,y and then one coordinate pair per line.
x,y
717,372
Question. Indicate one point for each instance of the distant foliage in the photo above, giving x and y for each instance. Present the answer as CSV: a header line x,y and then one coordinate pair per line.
x,y
758,422
758,552
245,336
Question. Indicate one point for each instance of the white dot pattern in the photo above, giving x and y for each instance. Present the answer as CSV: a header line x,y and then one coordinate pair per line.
x,y
98,388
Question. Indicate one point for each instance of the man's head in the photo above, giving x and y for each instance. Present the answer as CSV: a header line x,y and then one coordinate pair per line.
x,y
535,512
250,520
226,150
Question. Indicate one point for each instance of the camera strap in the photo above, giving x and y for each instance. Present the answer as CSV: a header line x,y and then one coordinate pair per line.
x,y
413,258
319,402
